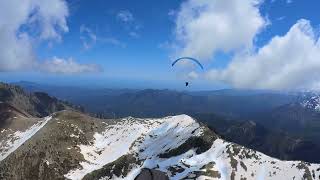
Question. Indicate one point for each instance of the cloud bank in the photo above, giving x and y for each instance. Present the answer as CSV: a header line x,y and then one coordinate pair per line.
x,y
288,62
67,66
204,27
23,25
291,61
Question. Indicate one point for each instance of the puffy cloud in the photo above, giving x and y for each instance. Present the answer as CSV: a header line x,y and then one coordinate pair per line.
x,y
16,53
204,27
67,66
22,23
50,15
291,61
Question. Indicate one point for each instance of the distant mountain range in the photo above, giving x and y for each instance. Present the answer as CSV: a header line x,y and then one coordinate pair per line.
x,y
297,119
274,142
239,104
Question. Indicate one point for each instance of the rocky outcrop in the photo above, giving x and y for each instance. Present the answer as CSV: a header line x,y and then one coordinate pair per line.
x,y
36,104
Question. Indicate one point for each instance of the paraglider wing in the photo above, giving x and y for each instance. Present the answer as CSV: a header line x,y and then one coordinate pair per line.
x,y
188,58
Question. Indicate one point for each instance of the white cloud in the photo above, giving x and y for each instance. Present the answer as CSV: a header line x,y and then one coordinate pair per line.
x,y
51,15
204,27
23,25
16,53
125,16
68,66
45,19
291,61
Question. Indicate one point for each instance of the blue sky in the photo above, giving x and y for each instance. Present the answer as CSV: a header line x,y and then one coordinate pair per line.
x,y
140,57
132,43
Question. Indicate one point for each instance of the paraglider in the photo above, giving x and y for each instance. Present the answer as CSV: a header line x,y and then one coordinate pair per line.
x,y
189,59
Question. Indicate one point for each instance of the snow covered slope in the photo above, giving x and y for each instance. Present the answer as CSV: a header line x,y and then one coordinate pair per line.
x,y
10,140
75,146
133,135
182,148
312,103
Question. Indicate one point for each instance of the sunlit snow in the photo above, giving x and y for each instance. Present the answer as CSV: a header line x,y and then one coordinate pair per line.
x,y
15,140
150,137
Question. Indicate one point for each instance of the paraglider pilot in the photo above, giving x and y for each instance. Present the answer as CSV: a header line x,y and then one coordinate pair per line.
x,y
190,59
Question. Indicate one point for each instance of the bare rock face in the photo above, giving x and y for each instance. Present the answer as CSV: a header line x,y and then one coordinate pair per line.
x,y
146,174
72,145
36,104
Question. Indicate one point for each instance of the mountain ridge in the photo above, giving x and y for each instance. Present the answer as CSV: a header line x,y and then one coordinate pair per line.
x,y
159,103
105,102
69,144
169,144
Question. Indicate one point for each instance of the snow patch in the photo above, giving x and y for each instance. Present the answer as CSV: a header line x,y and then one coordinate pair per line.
x,y
312,103
15,140
73,135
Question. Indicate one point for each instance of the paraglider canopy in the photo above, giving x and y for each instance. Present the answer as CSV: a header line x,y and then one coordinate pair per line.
x,y
188,58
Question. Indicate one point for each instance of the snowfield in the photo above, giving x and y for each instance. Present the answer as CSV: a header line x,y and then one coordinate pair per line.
x,y
149,139
118,139
14,140
312,103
